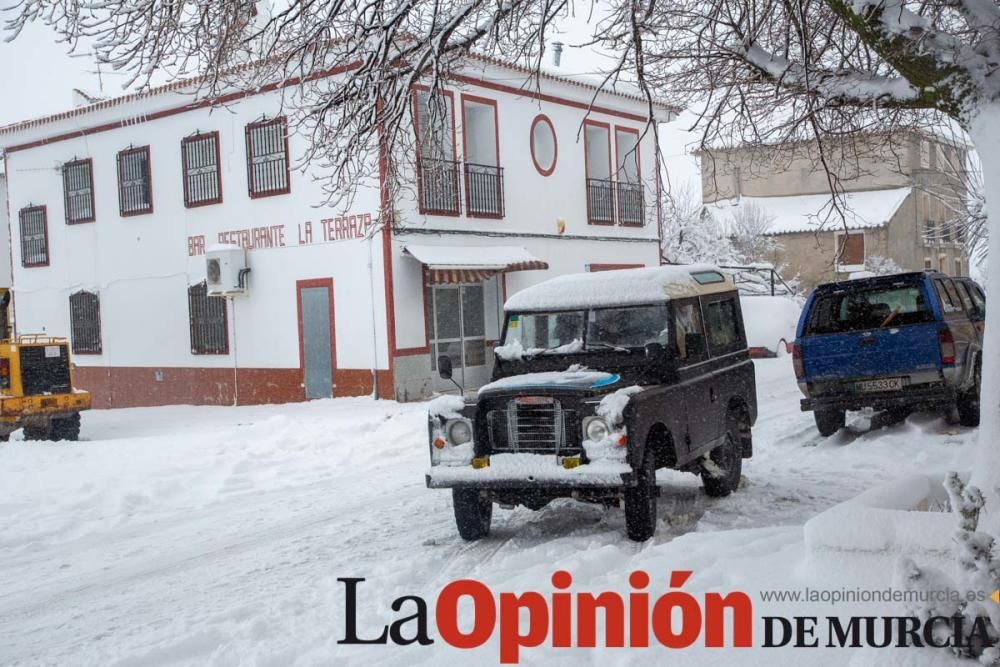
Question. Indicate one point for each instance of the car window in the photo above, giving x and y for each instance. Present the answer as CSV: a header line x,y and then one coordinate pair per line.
x,y
963,294
865,308
687,320
544,331
628,327
946,293
723,331
978,298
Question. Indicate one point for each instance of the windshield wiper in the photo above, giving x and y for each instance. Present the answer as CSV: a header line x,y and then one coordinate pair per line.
x,y
609,346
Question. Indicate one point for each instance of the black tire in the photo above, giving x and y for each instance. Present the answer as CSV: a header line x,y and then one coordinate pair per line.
x,y
727,460
36,432
66,428
829,422
640,501
473,514
968,402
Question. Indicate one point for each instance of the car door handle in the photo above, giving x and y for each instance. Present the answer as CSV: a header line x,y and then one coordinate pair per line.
x,y
711,394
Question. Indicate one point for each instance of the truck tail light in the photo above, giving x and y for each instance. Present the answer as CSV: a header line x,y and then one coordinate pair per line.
x,y
800,369
946,341
5,373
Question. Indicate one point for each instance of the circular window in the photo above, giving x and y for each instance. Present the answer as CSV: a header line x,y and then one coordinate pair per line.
x,y
543,145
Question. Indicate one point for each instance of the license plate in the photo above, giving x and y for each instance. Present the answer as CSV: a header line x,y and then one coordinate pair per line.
x,y
884,384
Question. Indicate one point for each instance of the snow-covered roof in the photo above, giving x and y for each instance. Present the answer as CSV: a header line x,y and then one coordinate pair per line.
x,y
496,257
624,287
808,213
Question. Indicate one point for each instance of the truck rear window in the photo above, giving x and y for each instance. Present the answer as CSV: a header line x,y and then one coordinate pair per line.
x,y
872,308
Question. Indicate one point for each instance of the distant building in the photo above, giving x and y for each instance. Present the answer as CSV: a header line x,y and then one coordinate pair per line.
x,y
894,208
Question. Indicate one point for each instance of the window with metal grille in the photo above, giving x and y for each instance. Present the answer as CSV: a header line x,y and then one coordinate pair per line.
x,y
135,189
85,322
209,326
34,236
202,178
267,158
78,191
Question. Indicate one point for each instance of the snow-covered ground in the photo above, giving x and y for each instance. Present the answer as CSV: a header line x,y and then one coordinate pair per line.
x,y
194,535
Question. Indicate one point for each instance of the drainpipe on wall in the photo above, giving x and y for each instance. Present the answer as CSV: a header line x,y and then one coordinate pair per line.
x,y
236,376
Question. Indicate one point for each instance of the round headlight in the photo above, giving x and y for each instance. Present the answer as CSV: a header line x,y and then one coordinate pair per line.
x,y
459,431
596,429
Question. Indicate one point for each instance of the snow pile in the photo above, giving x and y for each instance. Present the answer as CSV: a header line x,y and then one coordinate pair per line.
x,y
613,405
623,287
576,376
769,320
447,406
514,351
611,408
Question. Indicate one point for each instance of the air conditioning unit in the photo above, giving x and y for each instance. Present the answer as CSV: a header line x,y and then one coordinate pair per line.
x,y
226,270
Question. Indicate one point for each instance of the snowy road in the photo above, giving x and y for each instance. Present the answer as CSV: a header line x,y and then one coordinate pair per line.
x,y
191,535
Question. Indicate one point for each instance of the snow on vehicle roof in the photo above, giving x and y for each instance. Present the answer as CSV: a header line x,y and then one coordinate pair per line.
x,y
807,213
623,287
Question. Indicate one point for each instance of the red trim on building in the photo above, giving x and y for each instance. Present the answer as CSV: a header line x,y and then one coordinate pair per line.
x,y
317,282
252,189
586,171
619,171
149,183
20,228
93,197
594,268
486,101
202,136
454,153
542,118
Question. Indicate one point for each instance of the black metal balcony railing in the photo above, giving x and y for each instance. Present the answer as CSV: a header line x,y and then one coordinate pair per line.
x,y
630,209
601,201
484,190
438,185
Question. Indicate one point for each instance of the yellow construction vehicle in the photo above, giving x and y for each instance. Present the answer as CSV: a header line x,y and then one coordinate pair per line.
x,y
36,385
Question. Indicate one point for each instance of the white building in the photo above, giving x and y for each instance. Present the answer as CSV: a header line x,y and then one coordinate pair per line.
x,y
113,206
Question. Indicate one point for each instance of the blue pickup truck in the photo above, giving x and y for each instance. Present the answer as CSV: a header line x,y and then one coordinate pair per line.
x,y
900,343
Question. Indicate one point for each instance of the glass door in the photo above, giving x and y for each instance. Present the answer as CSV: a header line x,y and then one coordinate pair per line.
x,y
460,332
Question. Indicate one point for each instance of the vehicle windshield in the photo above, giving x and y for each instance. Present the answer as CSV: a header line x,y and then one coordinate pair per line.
x,y
879,306
568,332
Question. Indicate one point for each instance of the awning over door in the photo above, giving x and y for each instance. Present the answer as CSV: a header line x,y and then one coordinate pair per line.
x,y
467,264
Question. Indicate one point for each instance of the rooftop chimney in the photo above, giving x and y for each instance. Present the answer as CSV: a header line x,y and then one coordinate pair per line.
x,y
557,48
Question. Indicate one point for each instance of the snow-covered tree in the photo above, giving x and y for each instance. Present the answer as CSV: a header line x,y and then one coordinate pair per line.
x,y
881,266
690,233
748,232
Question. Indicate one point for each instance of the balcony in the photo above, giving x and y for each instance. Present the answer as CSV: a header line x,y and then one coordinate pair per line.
x,y
630,204
483,191
438,185
600,201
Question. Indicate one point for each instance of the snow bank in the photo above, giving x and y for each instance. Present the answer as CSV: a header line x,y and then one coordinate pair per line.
x,y
880,525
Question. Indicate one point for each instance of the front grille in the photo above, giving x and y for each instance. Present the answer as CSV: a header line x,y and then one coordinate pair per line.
x,y
532,424
44,369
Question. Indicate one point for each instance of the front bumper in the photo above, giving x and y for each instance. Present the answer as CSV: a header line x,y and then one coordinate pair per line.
x,y
915,396
16,408
531,471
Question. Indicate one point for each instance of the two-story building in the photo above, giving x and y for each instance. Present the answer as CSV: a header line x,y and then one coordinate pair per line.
x,y
113,207
900,194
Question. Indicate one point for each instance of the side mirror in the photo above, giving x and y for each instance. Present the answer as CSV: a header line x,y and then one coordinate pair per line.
x,y
444,367
694,343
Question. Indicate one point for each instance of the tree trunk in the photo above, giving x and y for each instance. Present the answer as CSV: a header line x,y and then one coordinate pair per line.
x,y
984,130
